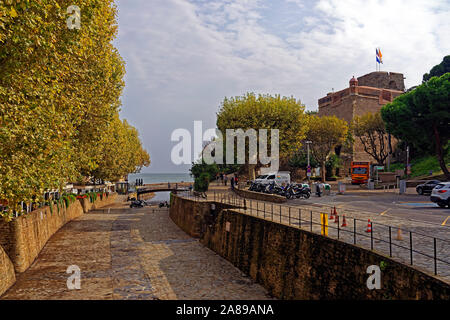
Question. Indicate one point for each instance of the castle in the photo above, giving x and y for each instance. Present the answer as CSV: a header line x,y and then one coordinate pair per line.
x,y
365,94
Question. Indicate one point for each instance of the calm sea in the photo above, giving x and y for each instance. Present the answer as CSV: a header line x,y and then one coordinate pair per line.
x,y
160,177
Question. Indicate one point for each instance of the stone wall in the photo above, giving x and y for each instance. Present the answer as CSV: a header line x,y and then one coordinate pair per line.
x,y
382,79
194,216
7,274
260,196
99,202
22,239
296,264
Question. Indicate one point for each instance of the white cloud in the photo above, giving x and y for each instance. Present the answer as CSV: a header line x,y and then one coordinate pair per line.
x,y
183,57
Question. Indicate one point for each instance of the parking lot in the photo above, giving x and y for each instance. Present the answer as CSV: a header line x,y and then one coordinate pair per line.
x,y
385,203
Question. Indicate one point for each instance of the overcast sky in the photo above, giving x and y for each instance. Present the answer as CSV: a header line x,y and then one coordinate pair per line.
x,y
184,56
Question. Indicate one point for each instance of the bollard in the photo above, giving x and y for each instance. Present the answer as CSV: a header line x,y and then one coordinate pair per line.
x,y
337,219
435,257
390,242
299,218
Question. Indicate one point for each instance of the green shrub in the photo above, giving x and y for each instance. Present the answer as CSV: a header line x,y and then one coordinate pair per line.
x,y
201,183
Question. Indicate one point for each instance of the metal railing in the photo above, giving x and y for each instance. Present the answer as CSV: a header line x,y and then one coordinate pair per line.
x,y
410,247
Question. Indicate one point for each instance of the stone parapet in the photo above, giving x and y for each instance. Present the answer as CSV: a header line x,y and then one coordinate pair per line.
x,y
292,263
23,238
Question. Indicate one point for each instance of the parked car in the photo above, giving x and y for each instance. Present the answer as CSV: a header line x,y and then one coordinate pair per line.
x,y
427,187
441,194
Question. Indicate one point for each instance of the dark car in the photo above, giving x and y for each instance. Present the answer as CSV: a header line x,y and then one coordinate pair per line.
x,y
427,187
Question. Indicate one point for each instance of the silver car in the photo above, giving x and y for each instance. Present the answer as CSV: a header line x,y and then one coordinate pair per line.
x,y
441,194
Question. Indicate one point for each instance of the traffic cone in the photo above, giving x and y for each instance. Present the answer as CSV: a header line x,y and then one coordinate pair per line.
x,y
331,215
344,222
399,234
334,212
369,226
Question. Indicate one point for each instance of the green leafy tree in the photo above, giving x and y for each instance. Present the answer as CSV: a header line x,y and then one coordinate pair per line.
x,y
300,160
59,91
265,112
422,116
201,183
119,152
438,70
201,167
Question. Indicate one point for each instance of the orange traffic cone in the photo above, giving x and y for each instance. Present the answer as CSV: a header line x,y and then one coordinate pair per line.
x,y
335,213
344,222
399,234
369,226
331,214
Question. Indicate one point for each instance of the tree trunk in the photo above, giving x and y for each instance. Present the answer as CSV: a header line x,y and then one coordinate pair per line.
x,y
322,171
251,171
440,152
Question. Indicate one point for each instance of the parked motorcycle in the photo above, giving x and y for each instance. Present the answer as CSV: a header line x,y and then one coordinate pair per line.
x,y
299,191
138,204
163,204
254,186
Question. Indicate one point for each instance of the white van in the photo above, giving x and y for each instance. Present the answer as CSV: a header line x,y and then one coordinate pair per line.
x,y
281,178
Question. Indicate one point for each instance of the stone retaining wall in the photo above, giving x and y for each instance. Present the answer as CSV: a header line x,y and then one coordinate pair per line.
x,y
22,239
259,196
297,264
7,274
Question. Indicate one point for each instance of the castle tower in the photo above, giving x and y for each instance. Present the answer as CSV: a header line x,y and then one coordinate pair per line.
x,y
368,93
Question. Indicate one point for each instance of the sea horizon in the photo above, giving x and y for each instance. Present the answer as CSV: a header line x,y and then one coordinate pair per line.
x,y
149,178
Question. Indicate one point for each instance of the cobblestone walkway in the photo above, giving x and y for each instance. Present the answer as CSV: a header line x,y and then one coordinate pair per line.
x,y
131,254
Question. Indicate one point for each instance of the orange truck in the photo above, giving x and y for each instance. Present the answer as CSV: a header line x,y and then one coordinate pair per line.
x,y
360,172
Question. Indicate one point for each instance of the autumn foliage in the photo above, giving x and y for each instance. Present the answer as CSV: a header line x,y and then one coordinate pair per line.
x,y
59,99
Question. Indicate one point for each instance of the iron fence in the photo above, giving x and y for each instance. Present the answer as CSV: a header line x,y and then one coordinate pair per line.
x,y
411,247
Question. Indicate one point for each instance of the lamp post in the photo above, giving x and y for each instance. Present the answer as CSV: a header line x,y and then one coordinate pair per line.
x,y
407,162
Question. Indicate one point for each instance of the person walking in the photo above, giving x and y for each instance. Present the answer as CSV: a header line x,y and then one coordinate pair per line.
x,y
225,179
318,188
232,183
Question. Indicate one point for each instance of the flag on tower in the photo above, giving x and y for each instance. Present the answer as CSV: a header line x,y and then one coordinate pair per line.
x,y
379,55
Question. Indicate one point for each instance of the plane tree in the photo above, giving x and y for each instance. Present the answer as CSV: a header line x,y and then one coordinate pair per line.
x,y
325,133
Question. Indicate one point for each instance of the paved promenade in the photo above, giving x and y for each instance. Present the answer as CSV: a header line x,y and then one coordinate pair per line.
x,y
131,254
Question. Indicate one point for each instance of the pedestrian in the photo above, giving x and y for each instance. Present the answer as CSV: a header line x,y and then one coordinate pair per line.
x,y
221,177
232,183
225,179
318,189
